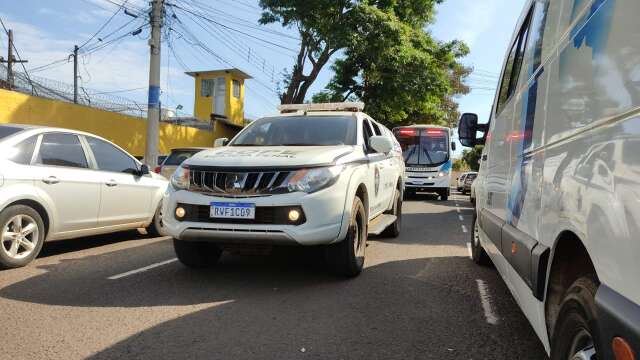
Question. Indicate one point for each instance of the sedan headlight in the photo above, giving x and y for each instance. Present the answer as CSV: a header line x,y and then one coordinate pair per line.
x,y
312,180
181,178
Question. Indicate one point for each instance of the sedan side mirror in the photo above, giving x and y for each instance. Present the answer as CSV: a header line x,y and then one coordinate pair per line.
x,y
468,128
380,144
221,142
144,170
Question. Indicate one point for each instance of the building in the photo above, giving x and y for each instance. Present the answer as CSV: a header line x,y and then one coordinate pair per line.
x,y
219,98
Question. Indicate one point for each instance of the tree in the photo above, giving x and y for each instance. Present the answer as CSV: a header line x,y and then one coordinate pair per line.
x,y
472,157
390,62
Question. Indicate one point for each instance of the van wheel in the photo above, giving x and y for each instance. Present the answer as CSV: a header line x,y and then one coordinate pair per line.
x,y
393,230
478,254
197,254
156,229
22,234
576,332
346,258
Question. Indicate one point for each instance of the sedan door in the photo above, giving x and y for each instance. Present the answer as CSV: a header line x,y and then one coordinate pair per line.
x,y
65,178
126,197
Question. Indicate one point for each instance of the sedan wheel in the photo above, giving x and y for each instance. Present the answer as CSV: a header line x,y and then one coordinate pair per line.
x,y
20,236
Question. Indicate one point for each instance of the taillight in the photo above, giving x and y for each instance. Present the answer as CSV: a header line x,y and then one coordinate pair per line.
x,y
157,169
622,350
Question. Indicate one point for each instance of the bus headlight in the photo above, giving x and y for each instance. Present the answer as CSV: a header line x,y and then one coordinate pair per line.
x,y
443,173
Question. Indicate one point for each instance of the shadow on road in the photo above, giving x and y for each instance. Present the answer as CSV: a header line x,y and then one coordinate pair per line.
x,y
52,248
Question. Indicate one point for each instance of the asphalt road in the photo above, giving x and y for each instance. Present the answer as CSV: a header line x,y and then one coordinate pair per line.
x,y
420,297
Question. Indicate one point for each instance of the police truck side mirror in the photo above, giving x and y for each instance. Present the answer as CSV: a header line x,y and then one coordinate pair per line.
x,y
221,142
380,144
468,128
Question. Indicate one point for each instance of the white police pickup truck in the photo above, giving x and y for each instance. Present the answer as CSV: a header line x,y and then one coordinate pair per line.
x,y
317,174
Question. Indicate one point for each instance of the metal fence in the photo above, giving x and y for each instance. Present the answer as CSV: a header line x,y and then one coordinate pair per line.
x,y
57,90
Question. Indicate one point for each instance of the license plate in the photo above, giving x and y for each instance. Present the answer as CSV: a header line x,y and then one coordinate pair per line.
x,y
227,210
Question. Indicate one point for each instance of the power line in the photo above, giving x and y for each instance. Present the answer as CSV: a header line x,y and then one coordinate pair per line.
x,y
19,57
103,26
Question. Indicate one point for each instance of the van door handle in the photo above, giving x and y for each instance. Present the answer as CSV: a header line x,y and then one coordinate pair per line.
x,y
111,183
50,180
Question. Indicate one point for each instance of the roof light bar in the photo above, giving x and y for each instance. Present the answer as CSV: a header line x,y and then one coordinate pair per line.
x,y
344,106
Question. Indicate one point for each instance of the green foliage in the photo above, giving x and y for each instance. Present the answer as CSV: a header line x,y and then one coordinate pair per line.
x,y
387,58
460,165
472,157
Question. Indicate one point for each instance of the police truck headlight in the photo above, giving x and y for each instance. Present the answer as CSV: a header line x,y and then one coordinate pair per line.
x,y
181,178
312,180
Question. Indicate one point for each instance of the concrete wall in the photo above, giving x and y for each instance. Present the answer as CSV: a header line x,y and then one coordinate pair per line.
x,y
129,132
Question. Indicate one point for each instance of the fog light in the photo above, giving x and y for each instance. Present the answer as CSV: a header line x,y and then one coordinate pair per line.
x,y
294,215
180,212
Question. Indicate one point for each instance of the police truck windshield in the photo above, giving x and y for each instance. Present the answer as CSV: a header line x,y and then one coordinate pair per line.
x,y
423,147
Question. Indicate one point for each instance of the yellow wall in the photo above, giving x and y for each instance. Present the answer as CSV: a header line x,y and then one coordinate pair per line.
x,y
128,132
203,106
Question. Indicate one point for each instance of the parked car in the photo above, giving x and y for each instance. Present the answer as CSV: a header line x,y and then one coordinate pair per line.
x,y
558,195
472,193
468,181
61,184
460,180
317,174
174,159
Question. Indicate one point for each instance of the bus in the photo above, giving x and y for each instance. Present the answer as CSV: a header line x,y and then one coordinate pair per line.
x,y
427,156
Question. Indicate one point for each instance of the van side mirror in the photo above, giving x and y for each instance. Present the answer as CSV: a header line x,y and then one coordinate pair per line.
x,y
221,142
380,144
468,128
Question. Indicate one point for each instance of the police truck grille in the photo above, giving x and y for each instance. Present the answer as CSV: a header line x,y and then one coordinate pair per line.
x,y
237,183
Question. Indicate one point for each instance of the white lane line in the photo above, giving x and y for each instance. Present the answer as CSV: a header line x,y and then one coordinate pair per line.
x,y
458,210
469,248
460,217
457,205
485,298
142,269
464,229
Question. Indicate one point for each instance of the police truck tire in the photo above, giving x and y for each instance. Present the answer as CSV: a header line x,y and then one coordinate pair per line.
x,y
197,254
478,254
576,330
346,258
393,230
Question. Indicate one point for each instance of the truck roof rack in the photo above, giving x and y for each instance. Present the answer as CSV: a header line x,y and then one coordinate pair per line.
x,y
343,106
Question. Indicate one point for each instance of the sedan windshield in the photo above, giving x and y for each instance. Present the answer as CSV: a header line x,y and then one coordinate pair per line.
x,y
299,131
6,131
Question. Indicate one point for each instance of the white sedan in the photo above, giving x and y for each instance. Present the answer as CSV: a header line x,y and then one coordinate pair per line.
x,y
61,184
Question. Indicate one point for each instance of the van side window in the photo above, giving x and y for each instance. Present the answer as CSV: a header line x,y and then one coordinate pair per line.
x,y
514,63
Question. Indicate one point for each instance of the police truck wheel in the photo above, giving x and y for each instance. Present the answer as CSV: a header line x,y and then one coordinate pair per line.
x,y
576,331
346,258
197,254
393,230
478,254
22,234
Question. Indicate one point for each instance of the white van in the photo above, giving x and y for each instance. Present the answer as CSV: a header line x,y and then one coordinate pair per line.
x,y
558,194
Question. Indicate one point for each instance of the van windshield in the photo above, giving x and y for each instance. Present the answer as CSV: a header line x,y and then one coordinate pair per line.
x,y
299,131
425,147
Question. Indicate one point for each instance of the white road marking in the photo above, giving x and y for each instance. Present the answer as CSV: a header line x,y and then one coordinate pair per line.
x,y
142,269
458,210
470,252
460,217
485,298
464,229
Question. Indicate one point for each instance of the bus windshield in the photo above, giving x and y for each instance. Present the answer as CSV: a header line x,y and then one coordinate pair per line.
x,y
423,147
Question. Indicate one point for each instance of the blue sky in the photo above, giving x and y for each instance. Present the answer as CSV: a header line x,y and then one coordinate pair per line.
x,y
46,31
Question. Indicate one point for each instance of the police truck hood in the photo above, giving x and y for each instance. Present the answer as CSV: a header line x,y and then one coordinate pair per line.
x,y
270,156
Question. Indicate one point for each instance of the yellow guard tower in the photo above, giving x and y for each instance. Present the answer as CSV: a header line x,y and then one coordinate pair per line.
x,y
220,98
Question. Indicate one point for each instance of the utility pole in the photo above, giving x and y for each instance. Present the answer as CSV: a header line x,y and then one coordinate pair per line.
x,y
75,74
153,107
10,60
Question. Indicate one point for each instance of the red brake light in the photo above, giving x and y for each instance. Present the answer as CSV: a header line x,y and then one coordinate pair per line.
x,y
435,132
407,132
157,169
